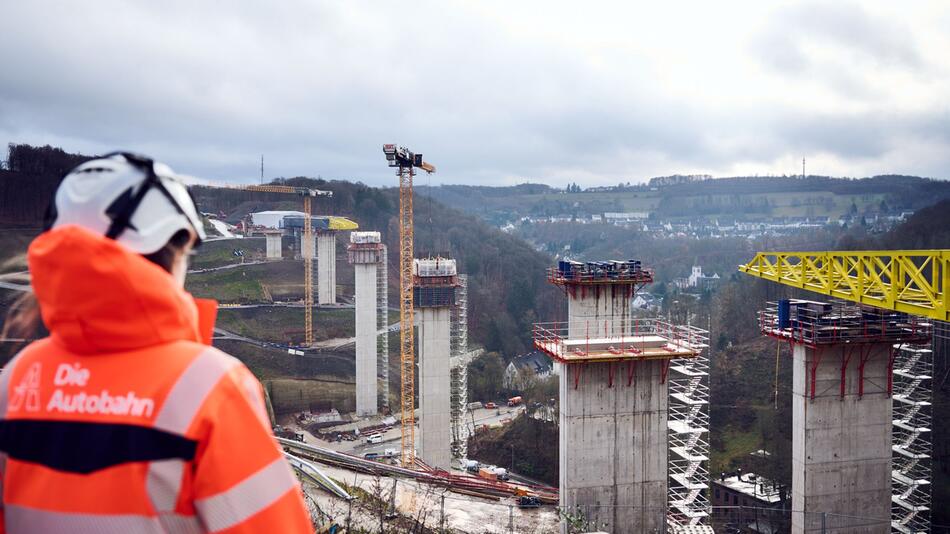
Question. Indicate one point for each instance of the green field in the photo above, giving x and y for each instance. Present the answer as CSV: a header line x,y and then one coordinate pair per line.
x,y
221,252
286,325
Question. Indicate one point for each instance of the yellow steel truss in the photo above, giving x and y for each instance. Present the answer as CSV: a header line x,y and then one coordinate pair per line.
x,y
910,281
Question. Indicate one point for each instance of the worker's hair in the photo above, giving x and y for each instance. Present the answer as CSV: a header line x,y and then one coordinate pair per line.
x,y
165,256
23,319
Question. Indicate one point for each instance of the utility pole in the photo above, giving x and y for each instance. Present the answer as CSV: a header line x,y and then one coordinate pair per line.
x,y
442,514
262,169
803,168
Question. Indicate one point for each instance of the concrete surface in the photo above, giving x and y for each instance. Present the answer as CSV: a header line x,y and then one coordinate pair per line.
x,y
599,312
434,443
326,268
366,381
841,448
273,241
613,439
613,447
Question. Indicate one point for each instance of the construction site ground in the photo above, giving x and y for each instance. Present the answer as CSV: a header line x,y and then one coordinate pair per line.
x,y
417,502
421,503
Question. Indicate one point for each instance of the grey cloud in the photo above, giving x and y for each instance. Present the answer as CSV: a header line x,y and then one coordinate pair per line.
x,y
318,86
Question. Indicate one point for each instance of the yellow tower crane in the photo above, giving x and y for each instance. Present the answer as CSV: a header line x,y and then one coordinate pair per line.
x,y
909,281
403,159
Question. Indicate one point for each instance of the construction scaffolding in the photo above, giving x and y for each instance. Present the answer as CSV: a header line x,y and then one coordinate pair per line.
x,y
642,339
382,324
688,425
818,325
458,369
912,446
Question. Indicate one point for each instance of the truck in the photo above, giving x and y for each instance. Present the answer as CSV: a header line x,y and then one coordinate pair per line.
x,y
514,401
487,473
493,473
529,501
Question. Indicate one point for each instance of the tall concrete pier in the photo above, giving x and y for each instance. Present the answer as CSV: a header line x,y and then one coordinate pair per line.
x,y
435,283
323,245
273,244
365,252
613,396
843,359
326,267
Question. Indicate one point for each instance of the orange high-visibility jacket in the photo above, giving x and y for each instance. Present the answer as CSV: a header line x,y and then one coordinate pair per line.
x,y
125,419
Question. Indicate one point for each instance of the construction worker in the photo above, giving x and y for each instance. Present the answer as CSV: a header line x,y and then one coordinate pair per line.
x,y
125,419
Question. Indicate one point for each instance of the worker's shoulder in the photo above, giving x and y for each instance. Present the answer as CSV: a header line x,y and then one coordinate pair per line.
x,y
32,351
211,360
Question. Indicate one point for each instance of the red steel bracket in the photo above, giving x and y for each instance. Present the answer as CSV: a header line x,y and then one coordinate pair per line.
x,y
864,359
631,372
578,369
814,370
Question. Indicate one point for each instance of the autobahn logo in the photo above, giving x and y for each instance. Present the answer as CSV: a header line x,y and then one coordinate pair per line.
x,y
27,393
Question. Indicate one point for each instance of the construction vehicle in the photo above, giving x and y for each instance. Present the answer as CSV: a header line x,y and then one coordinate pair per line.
x,y
514,401
405,160
529,501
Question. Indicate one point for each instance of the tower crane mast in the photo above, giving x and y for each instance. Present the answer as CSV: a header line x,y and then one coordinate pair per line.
x,y
405,161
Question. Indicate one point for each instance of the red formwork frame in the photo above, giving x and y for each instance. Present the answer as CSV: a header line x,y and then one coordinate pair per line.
x,y
863,344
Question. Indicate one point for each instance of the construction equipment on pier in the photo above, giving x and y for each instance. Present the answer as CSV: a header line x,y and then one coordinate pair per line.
x,y
909,281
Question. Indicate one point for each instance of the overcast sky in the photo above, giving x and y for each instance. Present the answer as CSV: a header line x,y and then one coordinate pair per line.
x,y
490,92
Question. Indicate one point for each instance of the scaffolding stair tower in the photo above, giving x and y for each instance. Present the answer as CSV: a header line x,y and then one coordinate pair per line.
x,y
460,357
912,445
382,324
688,425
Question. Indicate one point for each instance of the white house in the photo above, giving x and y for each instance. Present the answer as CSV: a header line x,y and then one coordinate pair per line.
x,y
532,364
698,279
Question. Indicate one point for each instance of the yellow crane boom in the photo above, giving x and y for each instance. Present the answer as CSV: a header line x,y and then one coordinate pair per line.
x,y
404,160
909,281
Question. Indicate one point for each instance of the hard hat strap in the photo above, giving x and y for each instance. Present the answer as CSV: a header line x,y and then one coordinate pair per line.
x,y
123,218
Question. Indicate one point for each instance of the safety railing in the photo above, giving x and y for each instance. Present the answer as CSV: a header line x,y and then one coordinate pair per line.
x,y
816,323
618,340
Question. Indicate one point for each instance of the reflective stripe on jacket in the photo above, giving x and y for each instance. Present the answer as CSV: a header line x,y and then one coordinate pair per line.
x,y
124,419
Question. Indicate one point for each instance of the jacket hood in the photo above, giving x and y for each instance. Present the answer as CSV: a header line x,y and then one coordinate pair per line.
x,y
95,295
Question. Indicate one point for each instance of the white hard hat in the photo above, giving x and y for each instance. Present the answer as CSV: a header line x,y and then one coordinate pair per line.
x,y
129,198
